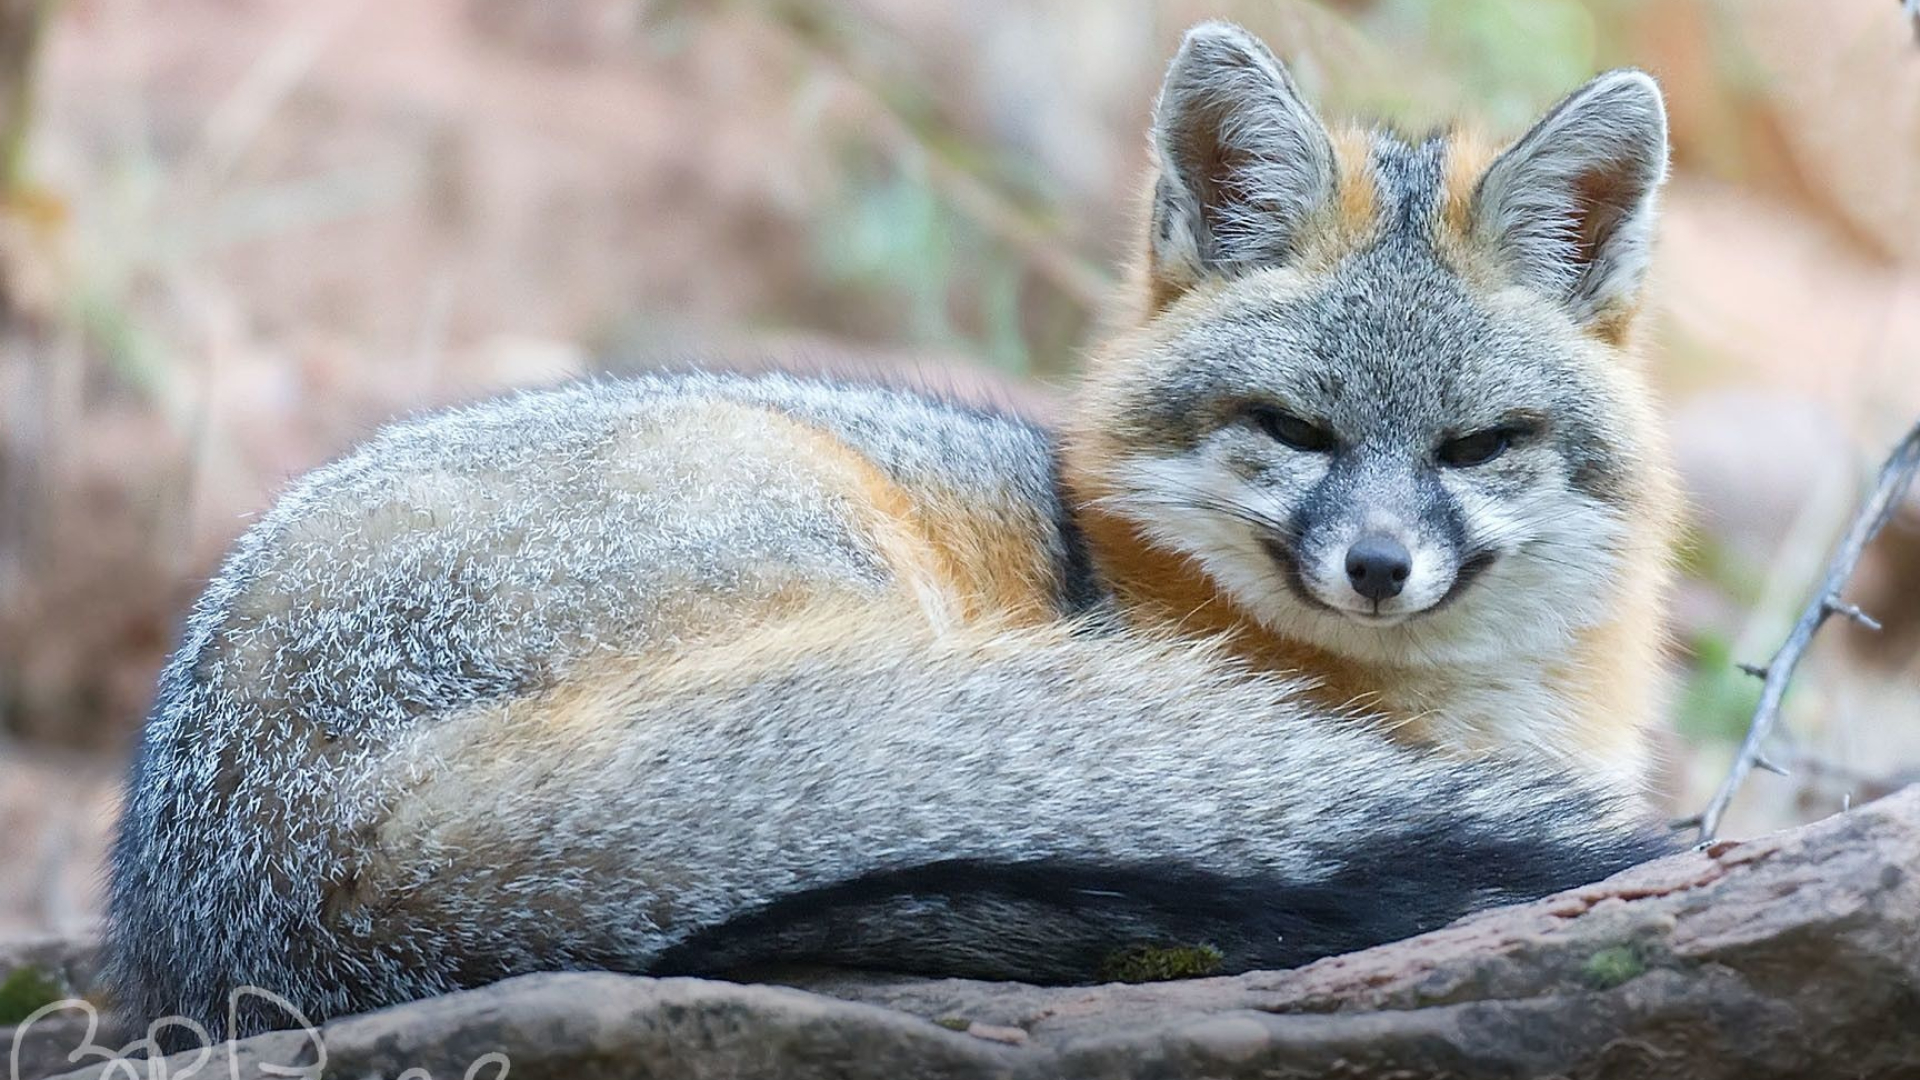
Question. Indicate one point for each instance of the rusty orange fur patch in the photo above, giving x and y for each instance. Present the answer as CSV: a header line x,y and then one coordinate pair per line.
x,y
1468,154
1614,325
887,511
1356,201
744,445
1351,218
959,558
995,561
1158,291
1612,674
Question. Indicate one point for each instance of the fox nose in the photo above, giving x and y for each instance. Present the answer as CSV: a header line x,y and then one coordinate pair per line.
x,y
1378,566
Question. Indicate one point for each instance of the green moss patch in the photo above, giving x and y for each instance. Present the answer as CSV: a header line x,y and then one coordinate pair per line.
x,y
1613,966
25,991
1161,963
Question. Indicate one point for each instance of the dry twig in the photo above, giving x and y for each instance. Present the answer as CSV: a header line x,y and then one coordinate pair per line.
x,y
1895,477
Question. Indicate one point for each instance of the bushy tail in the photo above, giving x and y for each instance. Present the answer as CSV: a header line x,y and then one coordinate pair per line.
x,y
1024,804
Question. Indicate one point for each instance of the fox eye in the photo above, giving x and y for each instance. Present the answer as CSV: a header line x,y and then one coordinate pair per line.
x,y
1291,431
1478,448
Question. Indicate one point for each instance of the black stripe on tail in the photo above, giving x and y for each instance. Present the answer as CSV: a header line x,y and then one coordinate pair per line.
x,y
1063,920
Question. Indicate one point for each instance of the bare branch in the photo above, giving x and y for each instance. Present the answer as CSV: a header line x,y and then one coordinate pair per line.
x,y
1895,477
1852,611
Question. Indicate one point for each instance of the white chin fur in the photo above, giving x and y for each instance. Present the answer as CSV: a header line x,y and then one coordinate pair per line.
x,y
1549,582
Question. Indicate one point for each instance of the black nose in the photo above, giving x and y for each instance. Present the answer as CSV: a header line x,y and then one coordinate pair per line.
x,y
1378,567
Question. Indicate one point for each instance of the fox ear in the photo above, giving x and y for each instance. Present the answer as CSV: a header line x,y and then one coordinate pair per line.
x,y
1243,161
1571,206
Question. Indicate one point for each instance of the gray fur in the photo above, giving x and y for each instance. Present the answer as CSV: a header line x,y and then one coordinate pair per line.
x,y
893,752
459,559
317,808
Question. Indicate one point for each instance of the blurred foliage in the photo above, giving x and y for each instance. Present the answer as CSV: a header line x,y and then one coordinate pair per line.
x,y
1700,557
891,237
947,234
1717,699
1509,54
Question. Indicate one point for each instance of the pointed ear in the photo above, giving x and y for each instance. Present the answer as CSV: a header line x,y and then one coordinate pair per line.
x,y
1243,161
1570,208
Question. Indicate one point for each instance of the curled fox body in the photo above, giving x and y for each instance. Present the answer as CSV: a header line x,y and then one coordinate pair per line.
x,y
1324,621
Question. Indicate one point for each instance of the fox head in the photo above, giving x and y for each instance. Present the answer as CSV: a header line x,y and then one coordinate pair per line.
x,y
1379,390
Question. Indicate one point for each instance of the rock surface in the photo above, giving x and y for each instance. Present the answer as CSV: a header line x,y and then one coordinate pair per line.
x,y
32,970
1795,955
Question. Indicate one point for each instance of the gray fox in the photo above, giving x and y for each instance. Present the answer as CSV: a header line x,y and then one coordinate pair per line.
x,y
1325,621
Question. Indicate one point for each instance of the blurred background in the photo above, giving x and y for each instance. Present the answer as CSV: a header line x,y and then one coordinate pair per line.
x,y
237,235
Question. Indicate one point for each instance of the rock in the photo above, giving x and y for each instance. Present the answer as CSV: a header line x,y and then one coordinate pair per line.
x,y
34,972
1795,955
590,1026
72,962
